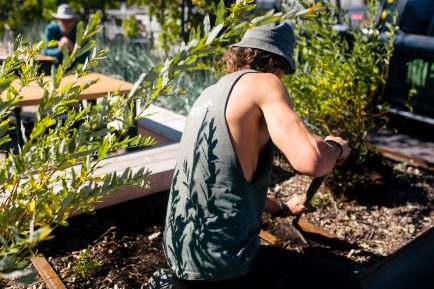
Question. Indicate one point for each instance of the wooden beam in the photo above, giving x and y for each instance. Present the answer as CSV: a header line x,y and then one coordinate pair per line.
x,y
270,238
47,273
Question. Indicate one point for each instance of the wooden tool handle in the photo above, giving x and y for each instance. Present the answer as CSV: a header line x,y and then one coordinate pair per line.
x,y
311,191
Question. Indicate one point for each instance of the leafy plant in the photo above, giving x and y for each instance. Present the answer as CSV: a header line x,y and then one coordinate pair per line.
x,y
340,78
54,172
20,14
85,264
127,60
230,25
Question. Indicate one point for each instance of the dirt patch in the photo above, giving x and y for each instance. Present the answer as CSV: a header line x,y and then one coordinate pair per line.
x,y
392,205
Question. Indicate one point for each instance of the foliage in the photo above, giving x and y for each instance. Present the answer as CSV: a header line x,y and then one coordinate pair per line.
x,y
340,78
193,84
85,264
211,41
85,8
55,172
20,14
131,27
170,28
127,60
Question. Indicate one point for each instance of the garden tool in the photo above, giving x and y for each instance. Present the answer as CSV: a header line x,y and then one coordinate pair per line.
x,y
311,191
305,229
302,230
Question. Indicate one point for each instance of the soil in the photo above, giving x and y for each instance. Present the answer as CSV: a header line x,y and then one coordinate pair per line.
x,y
391,205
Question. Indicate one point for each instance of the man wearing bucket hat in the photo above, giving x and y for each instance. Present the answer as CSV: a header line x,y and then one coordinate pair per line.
x,y
64,31
220,182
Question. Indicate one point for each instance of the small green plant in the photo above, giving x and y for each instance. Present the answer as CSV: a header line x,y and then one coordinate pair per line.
x,y
85,264
316,201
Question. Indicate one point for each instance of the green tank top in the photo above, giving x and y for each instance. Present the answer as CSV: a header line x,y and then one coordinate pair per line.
x,y
214,213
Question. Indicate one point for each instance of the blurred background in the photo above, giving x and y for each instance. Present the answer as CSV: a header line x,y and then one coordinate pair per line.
x,y
139,33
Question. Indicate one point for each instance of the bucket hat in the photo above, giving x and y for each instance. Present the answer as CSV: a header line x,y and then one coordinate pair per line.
x,y
64,11
276,38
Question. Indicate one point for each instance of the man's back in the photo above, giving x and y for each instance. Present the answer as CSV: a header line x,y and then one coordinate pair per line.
x,y
213,216
247,126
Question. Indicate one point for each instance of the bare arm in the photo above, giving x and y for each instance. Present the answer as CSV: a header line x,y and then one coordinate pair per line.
x,y
308,153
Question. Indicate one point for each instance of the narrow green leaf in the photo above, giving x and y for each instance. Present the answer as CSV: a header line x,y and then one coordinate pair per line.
x,y
80,31
206,25
213,34
103,149
41,126
5,139
221,11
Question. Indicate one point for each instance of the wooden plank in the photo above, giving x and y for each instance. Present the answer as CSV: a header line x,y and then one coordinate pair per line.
x,y
401,157
159,182
160,162
157,160
137,160
47,273
163,122
42,57
161,140
309,228
270,238
32,94
404,146
39,57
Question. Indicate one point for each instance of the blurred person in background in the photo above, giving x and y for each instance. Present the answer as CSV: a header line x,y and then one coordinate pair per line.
x,y
64,31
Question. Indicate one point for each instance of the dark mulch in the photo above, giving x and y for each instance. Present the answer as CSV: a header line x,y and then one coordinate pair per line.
x,y
392,204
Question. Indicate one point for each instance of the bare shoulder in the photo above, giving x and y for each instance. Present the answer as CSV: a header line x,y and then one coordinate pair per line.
x,y
260,80
263,88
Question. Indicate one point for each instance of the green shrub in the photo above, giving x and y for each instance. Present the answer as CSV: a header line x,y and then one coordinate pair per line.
x,y
53,173
127,60
339,80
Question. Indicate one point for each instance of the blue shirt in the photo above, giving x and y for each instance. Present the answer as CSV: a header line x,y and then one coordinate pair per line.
x,y
54,32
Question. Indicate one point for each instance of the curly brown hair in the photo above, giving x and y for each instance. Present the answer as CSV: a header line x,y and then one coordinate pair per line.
x,y
238,58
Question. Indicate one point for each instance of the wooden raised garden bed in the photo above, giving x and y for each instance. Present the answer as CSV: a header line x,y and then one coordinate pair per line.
x,y
166,126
